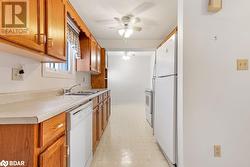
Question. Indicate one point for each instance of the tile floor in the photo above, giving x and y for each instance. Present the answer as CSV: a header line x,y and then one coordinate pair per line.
x,y
128,141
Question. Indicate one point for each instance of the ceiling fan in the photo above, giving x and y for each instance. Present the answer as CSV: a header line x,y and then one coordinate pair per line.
x,y
127,24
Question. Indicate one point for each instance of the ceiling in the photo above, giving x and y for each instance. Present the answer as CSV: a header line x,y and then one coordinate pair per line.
x,y
157,21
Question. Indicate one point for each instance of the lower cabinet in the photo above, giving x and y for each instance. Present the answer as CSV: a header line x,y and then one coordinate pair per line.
x,y
100,121
55,155
37,145
105,115
101,113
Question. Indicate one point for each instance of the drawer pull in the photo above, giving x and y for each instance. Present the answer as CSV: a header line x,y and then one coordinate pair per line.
x,y
59,126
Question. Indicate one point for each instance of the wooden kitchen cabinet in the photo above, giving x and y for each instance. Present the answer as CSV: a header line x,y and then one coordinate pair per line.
x,y
34,36
56,28
42,144
100,81
98,55
100,121
89,55
104,118
93,58
55,155
101,110
46,31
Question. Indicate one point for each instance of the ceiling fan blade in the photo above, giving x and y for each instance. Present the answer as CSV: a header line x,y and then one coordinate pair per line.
x,y
150,22
135,20
137,29
116,28
142,8
105,21
117,19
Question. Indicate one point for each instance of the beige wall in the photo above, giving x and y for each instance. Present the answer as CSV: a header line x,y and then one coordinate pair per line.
x,y
215,96
33,79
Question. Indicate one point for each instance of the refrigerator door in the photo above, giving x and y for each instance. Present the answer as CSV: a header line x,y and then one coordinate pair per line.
x,y
166,58
165,115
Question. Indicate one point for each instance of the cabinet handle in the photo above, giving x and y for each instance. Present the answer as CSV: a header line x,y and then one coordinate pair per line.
x,y
67,150
42,39
59,126
50,42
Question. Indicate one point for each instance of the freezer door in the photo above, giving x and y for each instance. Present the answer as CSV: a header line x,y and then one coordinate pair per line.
x,y
166,57
165,115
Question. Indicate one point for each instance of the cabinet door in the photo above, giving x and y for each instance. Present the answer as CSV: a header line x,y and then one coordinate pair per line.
x,y
109,107
107,110
28,28
56,28
100,122
98,64
104,118
93,58
94,129
55,155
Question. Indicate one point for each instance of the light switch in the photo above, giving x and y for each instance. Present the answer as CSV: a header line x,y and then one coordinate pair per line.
x,y
214,5
242,64
217,151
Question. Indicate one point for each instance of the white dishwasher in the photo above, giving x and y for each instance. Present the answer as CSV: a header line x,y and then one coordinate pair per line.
x,y
80,136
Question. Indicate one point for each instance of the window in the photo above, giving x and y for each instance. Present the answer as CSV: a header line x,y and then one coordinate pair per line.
x,y
66,70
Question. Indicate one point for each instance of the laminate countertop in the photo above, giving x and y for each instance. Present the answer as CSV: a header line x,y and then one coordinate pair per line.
x,y
40,109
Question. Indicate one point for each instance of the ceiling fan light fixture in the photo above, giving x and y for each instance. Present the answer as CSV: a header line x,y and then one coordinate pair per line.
x,y
126,33
121,32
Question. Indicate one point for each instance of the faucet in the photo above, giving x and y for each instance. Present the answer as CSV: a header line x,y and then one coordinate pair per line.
x,y
70,89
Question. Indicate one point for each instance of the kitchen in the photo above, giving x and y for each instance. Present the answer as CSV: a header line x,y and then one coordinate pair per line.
x,y
123,83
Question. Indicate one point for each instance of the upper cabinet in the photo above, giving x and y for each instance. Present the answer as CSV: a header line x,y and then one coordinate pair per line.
x,y
26,29
40,27
98,54
89,60
56,28
93,58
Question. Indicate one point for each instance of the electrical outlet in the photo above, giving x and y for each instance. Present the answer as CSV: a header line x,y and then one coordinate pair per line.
x,y
242,64
17,73
217,151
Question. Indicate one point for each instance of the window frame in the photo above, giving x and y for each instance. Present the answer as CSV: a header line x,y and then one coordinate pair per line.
x,y
52,73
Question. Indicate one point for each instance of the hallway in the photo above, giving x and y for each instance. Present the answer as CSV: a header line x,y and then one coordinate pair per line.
x,y
128,141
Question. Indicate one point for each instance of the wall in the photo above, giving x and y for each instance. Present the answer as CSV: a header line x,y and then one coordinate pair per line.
x,y
215,95
129,79
138,45
33,79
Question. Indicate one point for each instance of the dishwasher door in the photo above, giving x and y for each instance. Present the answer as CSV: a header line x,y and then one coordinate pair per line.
x,y
80,136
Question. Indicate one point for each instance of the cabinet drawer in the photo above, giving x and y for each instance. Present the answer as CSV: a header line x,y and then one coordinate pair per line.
x,y
95,102
52,129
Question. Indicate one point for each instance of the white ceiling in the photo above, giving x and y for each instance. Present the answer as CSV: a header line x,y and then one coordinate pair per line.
x,y
157,21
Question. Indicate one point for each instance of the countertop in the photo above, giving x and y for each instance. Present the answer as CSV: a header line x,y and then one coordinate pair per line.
x,y
40,109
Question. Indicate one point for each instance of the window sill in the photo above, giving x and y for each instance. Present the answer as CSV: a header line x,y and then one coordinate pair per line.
x,y
46,73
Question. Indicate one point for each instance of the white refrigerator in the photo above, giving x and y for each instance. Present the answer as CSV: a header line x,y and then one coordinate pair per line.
x,y
165,99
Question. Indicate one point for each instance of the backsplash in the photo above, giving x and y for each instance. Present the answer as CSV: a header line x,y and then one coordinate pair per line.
x,y
33,79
